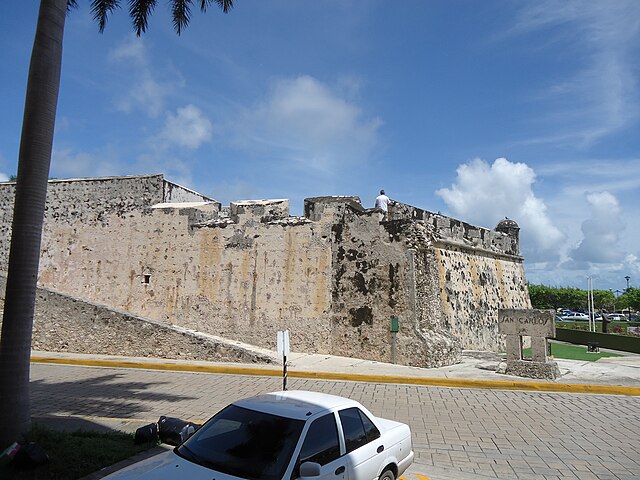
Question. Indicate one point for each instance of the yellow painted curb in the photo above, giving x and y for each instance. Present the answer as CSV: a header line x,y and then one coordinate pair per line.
x,y
435,382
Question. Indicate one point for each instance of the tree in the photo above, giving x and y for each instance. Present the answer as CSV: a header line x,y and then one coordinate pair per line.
x,y
31,190
629,299
544,297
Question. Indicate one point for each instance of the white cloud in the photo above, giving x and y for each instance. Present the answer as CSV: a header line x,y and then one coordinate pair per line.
x,y
309,125
602,97
233,189
601,232
188,127
483,194
147,92
132,49
69,163
175,168
3,176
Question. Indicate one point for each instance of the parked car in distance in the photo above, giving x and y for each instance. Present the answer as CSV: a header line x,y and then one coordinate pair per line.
x,y
617,317
575,316
286,435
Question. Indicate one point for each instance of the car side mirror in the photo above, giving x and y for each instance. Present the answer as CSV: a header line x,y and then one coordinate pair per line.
x,y
309,469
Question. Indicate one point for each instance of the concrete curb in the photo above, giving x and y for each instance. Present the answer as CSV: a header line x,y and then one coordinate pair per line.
x,y
425,381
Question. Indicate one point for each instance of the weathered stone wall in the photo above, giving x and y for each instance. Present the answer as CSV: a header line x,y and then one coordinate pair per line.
x,y
333,278
174,193
474,284
238,281
384,270
67,324
479,272
89,201
369,285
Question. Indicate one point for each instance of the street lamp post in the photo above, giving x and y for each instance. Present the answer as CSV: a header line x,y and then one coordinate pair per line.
x,y
627,278
617,293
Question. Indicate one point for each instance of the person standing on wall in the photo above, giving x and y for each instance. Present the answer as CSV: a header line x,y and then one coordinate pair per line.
x,y
382,202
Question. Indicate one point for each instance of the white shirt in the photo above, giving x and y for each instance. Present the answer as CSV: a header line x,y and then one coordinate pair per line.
x,y
382,202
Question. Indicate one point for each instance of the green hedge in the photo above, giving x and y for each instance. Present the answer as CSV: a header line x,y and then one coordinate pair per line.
x,y
604,340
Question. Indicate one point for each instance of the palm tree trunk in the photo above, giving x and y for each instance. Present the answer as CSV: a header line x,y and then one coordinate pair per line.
x,y
31,191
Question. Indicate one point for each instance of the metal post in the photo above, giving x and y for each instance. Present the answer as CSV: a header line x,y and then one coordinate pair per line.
x,y
393,347
282,341
284,372
592,320
395,328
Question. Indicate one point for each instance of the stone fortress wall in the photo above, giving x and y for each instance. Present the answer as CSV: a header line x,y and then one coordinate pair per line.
x,y
63,323
333,277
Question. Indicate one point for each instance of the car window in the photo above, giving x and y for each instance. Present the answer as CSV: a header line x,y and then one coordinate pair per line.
x,y
321,443
244,443
358,428
370,429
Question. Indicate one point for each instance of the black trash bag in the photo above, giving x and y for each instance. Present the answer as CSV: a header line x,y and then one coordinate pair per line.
x,y
174,431
30,455
148,433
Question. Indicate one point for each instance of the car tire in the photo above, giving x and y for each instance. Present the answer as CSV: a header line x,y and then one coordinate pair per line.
x,y
387,475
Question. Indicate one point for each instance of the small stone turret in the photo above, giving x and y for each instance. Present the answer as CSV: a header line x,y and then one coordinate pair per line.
x,y
512,229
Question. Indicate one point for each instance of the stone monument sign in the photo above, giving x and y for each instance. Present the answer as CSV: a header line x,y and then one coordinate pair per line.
x,y
537,324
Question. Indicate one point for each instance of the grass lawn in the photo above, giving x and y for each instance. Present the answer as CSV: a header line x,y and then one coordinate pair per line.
x,y
76,454
572,352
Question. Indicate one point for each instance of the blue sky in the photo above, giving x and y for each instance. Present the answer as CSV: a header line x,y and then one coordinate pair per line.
x,y
478,110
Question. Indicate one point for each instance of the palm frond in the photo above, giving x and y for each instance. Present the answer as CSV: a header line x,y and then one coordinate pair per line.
x,y
140,11
71,4
225,5
101,10
181,11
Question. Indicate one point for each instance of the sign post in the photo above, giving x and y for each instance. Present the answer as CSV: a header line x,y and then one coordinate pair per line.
x,y
395,327
282,341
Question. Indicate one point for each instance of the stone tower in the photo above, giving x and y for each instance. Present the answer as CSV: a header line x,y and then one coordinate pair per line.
x,y
512,229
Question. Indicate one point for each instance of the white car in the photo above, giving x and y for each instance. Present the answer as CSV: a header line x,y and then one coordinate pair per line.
x,y
617,317
575,316
286,435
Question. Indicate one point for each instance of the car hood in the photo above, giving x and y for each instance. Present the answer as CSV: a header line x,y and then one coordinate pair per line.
x,y
168,466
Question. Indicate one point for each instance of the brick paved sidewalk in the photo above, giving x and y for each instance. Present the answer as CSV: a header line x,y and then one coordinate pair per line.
x,y
501,434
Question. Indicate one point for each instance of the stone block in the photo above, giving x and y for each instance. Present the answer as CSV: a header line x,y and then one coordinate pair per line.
x,y
530,369
530,322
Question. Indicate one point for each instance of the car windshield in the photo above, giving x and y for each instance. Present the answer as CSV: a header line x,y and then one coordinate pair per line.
x,y
244,443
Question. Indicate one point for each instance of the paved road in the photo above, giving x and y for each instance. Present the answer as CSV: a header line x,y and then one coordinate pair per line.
x,y
501,434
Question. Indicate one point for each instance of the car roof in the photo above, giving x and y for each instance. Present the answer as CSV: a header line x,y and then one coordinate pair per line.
x,y
298,404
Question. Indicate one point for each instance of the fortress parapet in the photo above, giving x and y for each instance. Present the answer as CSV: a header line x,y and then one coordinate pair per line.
x,y
503,240
317,207
262,211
